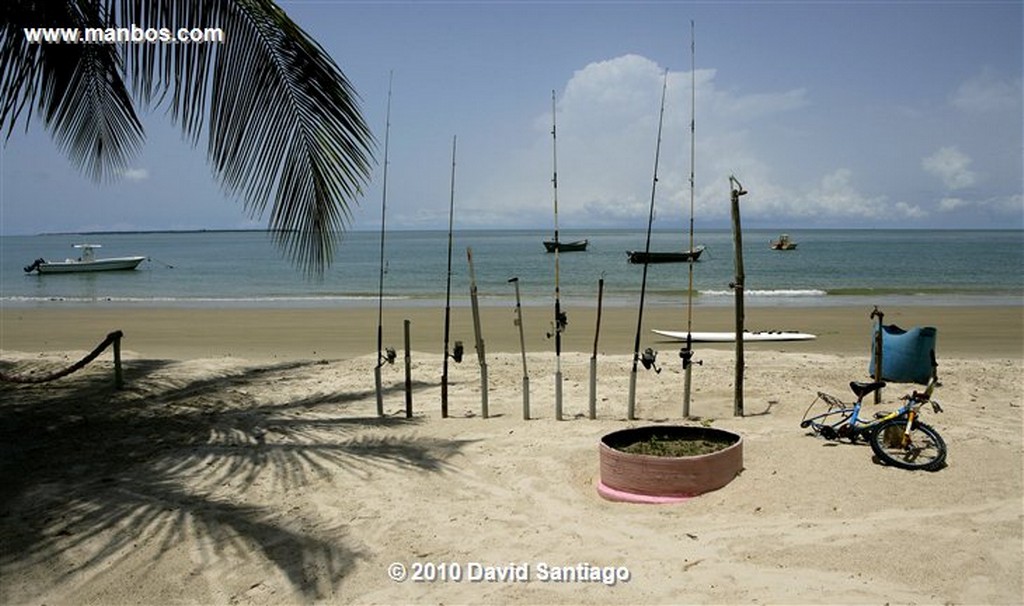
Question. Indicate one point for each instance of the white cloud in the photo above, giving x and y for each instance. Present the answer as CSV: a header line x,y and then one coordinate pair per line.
x,y
910,211
757,105
950,165
135,174
620,87
607,130
1013,204
1012,207
986,92
607,134
952,203
836,196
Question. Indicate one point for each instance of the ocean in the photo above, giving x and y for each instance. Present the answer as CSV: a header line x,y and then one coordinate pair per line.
x,y
246,269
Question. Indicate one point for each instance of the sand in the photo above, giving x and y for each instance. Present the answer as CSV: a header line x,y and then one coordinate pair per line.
x,y
244,463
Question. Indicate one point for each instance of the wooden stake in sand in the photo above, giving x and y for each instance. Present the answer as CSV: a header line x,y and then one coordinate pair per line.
x,y
118,375
737,244
408,374
593,358
479,338
878,351
522,347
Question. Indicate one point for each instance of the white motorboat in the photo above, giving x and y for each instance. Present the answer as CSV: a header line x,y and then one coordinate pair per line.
x,y
84,263
783,243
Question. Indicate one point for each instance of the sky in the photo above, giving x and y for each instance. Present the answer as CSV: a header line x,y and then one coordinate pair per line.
x,y
831,114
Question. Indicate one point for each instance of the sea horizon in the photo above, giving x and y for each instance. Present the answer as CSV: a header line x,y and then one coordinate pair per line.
x,y
245,268
714,228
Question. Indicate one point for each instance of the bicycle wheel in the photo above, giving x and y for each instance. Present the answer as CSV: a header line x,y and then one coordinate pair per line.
x,y
923,448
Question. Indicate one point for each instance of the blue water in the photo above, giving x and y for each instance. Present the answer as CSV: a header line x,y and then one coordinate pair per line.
x,y
830,267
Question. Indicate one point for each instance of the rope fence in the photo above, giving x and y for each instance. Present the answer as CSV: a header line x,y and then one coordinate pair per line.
x,y
113,338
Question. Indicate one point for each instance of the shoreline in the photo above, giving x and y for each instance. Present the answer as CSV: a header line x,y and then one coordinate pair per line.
x,y
985,332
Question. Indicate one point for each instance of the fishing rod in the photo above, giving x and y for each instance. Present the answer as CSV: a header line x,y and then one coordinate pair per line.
x,y
381,359
686,353
457,355
649,355
560,318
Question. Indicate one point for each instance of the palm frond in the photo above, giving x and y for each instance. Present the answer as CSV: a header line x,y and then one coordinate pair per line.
x,y
284,128
78,89
285,132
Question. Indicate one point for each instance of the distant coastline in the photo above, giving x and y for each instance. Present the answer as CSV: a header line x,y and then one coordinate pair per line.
x,y
532,230
150,231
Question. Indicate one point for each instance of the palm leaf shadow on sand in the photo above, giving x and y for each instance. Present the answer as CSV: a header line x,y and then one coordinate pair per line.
x,y
84,465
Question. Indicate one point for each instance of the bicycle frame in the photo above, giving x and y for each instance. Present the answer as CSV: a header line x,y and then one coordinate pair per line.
x,y
850,425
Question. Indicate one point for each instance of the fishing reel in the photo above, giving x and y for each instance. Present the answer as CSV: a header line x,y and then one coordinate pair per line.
x,y
389,356
561,321
687,355
457,352
648,359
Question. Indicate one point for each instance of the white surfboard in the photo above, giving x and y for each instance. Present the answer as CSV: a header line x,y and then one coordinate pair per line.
x,y
729,337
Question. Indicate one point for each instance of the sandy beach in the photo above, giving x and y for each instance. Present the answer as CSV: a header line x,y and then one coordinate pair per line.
x,y
244,463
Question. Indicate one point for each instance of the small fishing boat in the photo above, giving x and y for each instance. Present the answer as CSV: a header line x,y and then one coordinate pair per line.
x,y
576,246
86,262
783,243
684,256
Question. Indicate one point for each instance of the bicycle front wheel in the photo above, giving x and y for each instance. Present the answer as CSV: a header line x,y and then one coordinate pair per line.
x,y
920,448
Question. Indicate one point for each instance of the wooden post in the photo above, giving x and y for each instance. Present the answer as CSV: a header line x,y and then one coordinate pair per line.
x,y
593,358
378,385
118,377
687,355
522,348
878,352
737,242
408,374
479,337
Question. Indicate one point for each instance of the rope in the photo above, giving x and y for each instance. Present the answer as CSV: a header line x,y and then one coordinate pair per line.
x,y
111,338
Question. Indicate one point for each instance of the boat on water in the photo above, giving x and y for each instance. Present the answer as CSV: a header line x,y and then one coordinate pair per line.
x,y
783,243
682,256
575,246
87,262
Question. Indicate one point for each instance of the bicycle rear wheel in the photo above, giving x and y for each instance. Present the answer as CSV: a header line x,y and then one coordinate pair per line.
x,y
920,448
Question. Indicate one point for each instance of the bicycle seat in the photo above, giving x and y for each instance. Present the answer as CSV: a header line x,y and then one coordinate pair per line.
x,y
863,389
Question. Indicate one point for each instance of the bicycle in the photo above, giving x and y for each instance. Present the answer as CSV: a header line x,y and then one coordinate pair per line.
x,y
898,438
